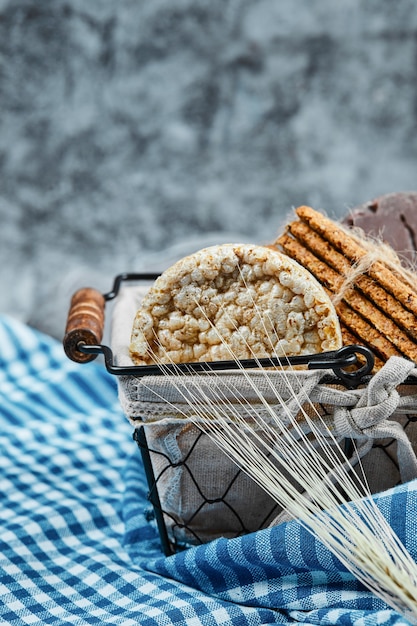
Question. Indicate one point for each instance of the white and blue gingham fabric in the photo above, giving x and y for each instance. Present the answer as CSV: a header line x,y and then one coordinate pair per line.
x,y
76,546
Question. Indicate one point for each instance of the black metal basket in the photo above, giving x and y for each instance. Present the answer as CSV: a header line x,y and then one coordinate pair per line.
x,y
350,367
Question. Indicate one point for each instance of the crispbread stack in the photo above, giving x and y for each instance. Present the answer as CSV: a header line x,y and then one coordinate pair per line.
x,y
374,296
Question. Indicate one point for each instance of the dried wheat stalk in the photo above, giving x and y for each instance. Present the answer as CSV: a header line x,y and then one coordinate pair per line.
x,y
335,509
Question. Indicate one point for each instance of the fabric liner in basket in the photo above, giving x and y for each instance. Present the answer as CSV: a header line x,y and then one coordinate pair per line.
x,y
202,492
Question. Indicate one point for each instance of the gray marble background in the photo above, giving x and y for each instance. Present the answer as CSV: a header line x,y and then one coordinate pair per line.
x,y
134,131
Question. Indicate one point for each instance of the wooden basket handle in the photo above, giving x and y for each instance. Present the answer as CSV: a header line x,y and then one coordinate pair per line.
x,y
85,323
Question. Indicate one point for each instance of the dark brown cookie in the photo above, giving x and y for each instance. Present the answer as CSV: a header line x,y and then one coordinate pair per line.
x,y
391,217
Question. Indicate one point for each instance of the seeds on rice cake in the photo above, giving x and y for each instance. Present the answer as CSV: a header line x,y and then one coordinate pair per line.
x,y
233,301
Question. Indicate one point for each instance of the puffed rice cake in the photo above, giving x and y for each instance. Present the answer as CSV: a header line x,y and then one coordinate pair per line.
x,y
233,301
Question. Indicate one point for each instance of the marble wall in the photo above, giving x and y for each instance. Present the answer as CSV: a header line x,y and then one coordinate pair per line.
x,y
134,131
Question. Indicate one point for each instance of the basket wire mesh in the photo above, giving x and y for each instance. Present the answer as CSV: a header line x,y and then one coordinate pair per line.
x,y
348,371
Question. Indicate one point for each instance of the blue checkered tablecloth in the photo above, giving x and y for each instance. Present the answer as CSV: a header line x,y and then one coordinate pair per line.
x,y
76,543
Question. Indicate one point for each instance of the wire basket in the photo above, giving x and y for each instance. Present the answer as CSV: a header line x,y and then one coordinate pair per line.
x,y
197,493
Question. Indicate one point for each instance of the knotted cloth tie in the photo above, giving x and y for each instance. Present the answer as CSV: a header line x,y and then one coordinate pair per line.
x,y
369,418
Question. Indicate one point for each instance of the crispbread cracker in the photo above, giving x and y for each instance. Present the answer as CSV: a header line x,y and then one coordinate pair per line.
x,y
386,329
233,301
338,237
375,302
367,333
367,285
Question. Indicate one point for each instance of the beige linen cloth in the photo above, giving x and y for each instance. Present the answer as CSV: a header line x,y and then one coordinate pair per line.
x,y
203,493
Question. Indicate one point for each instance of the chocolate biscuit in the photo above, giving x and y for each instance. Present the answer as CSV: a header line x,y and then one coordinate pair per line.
x,y
391,218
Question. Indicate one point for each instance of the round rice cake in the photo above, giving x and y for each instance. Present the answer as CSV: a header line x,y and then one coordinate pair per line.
x,y
233,301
